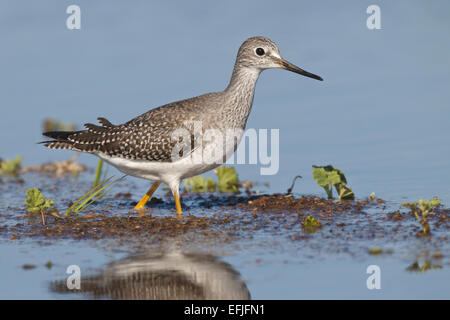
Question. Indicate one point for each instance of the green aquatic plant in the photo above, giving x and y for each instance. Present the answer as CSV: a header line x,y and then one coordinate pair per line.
x,y
35,201
375,251
227,179
328,177
421,209
199,184
10,167
98,172
50,124
94,194
309,224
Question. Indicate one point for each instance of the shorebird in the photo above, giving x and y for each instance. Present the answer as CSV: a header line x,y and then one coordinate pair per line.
x,y
146,146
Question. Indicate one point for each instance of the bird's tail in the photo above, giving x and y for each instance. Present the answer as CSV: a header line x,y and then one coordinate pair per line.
x,y
60,140
58,135
89,140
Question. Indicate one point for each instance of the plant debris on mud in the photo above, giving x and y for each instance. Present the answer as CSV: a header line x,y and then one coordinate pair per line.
x,y
321,222
211,218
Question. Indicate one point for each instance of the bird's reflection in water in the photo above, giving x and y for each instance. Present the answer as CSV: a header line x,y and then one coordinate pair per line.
x,y
173,275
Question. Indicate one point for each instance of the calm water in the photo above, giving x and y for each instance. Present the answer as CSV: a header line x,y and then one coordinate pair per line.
x,y
263,275
381,115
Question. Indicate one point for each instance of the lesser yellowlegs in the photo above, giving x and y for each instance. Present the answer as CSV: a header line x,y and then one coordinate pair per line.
x,y
146,146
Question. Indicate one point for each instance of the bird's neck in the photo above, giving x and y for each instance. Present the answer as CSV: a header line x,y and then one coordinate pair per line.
x,y
240,91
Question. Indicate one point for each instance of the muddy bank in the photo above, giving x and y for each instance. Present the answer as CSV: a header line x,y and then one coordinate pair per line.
x,y
354,227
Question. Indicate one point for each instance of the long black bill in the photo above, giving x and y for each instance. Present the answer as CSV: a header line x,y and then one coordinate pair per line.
x,y
289,66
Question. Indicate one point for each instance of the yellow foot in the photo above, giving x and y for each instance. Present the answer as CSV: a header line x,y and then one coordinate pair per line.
x,y
141,204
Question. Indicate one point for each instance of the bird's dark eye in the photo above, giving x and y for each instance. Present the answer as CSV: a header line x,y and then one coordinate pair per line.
x,y
260,51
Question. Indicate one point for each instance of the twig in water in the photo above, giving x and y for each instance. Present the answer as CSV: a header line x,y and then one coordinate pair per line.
x,y
289,191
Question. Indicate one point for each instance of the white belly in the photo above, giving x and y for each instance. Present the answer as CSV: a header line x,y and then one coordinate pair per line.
x,y
200,161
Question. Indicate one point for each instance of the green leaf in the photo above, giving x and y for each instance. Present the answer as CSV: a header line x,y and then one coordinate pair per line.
x,y
10,167
425,206
199,184
420,209
344,192
327,177
35,201
227,182
56,125
227,179
55,214
310,225
410,205
311,222
375,251
211,185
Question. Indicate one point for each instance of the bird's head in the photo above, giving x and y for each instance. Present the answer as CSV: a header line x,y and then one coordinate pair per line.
x,y
261,53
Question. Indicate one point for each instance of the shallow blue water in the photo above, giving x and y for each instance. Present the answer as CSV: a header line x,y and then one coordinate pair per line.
x,y
266,275
381,115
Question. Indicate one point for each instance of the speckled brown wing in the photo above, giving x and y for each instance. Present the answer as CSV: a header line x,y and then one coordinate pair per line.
x,y
146,137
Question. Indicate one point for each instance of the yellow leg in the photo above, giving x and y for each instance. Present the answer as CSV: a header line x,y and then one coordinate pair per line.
x,y
178,204
147,196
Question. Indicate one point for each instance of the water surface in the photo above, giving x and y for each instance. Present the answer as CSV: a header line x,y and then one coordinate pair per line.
x,y
381,116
